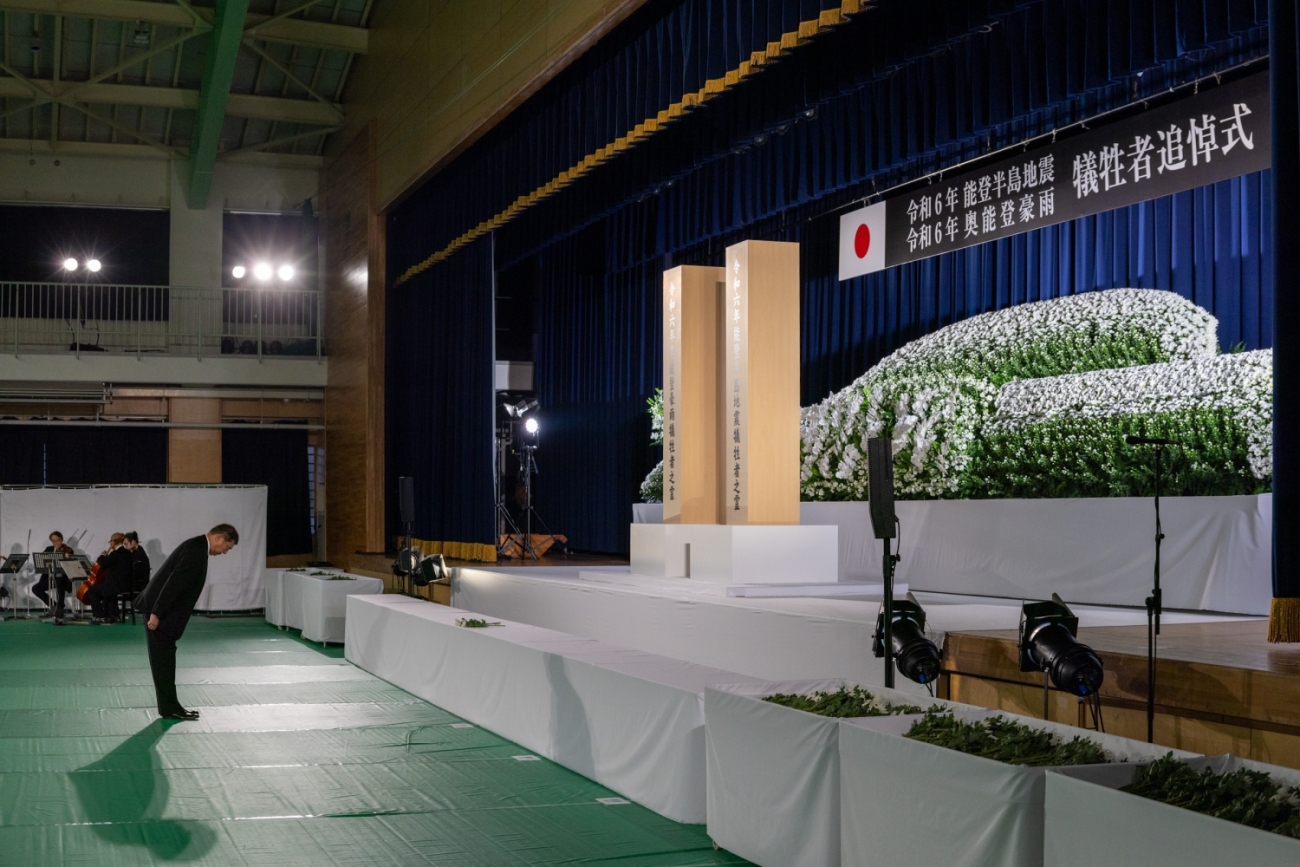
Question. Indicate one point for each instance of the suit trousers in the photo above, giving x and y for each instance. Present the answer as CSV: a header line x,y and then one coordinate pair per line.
x,y
162,663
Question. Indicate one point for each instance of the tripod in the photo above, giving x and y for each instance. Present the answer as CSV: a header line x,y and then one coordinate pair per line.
x,y
506,526
527,467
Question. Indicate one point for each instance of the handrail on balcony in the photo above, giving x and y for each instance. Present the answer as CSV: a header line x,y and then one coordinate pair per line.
x,y
161,320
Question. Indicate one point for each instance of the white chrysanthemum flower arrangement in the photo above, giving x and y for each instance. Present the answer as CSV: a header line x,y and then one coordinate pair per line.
x,y
988,406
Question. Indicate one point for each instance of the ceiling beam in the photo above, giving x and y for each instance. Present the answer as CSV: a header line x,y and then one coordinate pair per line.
x,y
218,73
294,31
237,105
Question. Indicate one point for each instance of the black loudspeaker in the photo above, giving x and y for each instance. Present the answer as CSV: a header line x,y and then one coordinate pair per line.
x,y
880,485
406,498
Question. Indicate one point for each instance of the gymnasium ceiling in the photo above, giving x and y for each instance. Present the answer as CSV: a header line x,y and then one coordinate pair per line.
x,y
113,72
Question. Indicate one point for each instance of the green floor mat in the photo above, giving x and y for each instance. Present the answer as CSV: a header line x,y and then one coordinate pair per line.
x,y
299,758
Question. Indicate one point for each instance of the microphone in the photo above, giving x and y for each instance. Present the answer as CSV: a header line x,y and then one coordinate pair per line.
x,y
1149,441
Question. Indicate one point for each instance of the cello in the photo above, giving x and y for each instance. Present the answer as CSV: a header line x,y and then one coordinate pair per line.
x,y
95,577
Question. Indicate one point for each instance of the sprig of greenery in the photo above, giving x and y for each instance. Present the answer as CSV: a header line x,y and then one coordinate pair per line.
x,y
1244,796
341,578
320,574
1003,740
844,702
476,623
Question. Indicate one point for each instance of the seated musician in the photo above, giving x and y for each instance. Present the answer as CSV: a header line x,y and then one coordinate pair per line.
x,y
64,585
115,564
140,569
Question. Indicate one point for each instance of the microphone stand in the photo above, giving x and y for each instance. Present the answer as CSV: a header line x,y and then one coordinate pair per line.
x,y
1154,610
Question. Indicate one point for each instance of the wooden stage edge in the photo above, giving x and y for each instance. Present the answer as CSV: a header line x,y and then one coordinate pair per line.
x,y
1220,687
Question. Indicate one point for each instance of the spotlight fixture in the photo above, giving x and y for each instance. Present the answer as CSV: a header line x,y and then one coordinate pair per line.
x,y
140,37
69,264
917,657
407,562
432,569
262,271
531,426
238,272
93,266
809,113
285,272
1048,643
521,407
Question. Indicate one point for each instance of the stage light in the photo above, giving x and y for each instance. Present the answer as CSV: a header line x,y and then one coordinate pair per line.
x,y
238,272
531,425
916,656
69,264
93,266
432,569
262,271
141,35
407,562
521,407
285,273
1048,643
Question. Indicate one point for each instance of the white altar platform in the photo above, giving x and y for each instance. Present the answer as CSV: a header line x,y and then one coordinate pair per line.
x,y
627,719
1217,552
771,639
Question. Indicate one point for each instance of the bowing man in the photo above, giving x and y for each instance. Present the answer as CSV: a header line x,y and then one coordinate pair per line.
x,y
167,602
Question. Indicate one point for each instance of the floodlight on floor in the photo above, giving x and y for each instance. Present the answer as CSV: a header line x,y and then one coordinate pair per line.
x,y
433,569
1049,643
916,656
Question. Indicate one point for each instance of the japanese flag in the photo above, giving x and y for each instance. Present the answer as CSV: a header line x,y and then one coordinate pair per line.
x,y
862,241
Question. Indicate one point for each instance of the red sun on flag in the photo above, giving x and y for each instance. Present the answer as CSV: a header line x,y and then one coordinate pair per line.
x,y
862,240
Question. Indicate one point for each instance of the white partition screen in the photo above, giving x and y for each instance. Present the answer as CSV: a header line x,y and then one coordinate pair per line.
x,y
163,515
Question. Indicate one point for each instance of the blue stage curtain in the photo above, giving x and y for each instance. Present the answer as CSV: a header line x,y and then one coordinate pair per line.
x,y
439,375
22,455
1284,79
277,459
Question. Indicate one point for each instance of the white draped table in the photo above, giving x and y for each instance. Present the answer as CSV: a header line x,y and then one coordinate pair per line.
x,y
313,602
629,720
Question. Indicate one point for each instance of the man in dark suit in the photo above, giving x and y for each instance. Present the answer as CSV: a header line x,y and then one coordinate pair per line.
x,y
60,581
167,603
139,564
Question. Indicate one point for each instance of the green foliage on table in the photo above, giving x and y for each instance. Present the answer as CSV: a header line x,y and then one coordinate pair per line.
x,y
476,623
321,574
1004,740
1244,796
844,702
342,578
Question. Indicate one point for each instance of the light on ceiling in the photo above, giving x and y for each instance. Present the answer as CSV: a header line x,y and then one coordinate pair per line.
x,y
262,271
238,272
69,264
93,265
285,272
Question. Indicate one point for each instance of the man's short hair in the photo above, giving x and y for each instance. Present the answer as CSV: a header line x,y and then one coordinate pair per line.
x,y
132,536
56,533
227,532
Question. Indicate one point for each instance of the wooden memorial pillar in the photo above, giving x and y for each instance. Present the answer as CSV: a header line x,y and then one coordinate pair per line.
x,y
759,397
691,309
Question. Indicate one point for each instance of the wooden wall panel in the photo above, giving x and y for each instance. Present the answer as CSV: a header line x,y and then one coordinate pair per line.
x,y
354,338
194,455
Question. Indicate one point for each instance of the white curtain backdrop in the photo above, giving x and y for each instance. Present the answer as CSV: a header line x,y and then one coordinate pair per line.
x,y
163,515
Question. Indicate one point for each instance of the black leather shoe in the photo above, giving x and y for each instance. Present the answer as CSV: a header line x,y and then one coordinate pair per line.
x,y
182,714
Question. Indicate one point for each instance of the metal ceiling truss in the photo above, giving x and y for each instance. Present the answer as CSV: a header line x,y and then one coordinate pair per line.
x,y
286,88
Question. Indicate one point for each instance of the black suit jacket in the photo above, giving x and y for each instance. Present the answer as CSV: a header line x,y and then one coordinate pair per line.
x,y
117,563
139,571
175,587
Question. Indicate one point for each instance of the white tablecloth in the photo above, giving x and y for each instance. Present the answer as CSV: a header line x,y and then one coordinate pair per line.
x,y
1216,556
311,602
626,719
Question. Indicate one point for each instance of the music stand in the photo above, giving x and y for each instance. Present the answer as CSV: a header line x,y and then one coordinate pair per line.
x,y
49,564
12,566
77,568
